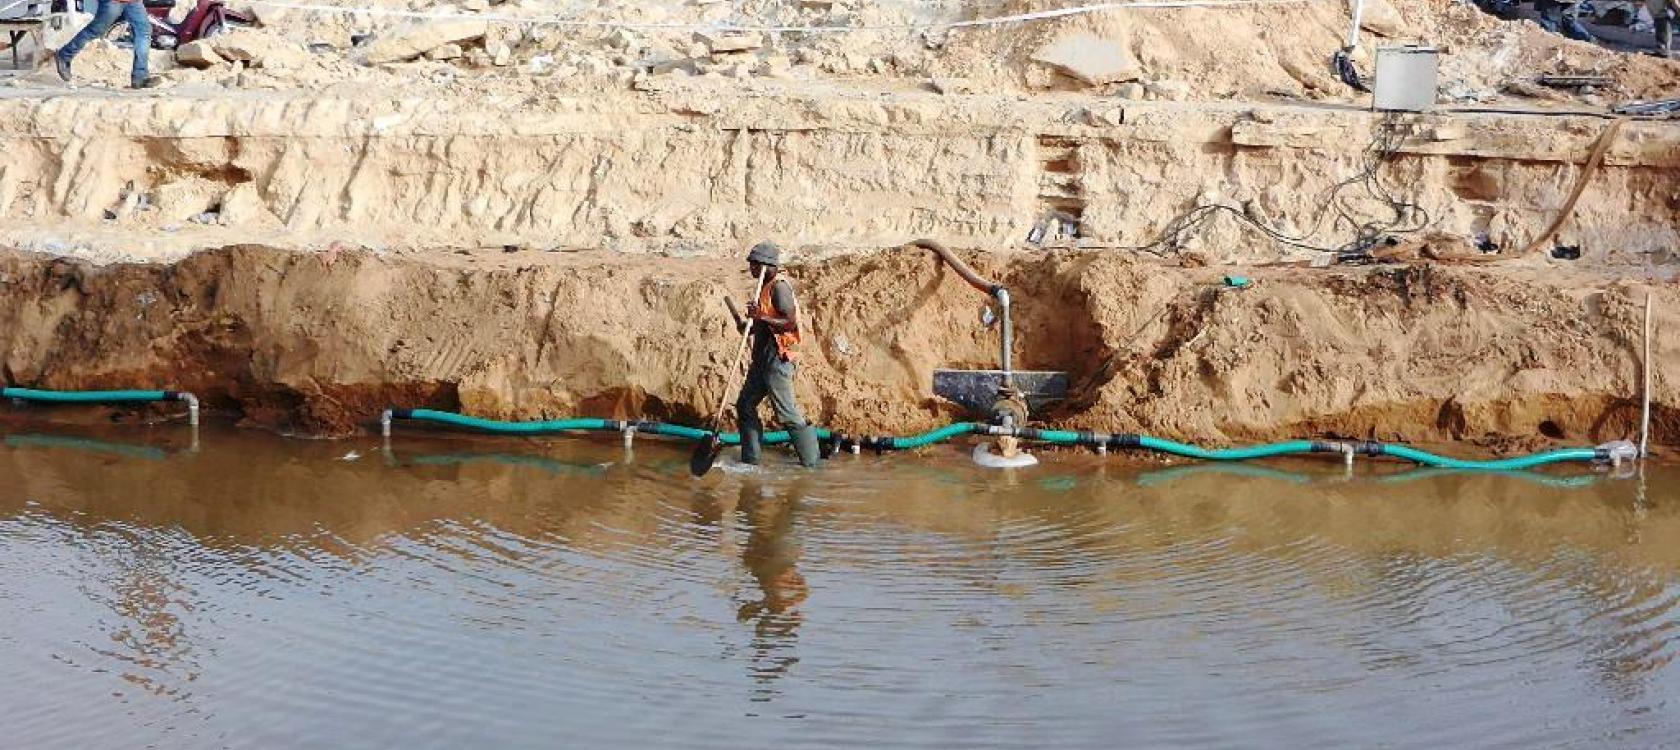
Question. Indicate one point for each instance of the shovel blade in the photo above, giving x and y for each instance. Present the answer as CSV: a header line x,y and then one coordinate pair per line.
x,y
977,389
705,454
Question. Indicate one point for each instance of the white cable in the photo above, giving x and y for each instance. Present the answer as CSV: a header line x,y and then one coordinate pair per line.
x,y
995,21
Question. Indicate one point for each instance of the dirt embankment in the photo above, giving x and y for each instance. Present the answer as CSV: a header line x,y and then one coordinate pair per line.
x,y
319,344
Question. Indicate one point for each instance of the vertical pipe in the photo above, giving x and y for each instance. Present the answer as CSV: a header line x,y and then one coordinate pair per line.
x,y
1645,397
1353,33
1007,343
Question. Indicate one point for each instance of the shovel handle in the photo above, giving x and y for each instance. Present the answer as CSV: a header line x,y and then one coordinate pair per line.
x,y
740,351
735,312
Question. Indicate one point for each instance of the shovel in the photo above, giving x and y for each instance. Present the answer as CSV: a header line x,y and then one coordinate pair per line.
x,y
706,452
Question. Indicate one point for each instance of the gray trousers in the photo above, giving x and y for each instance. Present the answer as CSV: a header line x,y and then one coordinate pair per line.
x,y
775,380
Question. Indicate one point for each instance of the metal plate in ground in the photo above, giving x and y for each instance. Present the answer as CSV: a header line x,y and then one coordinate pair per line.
x,y
977,389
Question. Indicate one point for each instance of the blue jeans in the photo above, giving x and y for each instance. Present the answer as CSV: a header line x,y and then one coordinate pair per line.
x,y
134,12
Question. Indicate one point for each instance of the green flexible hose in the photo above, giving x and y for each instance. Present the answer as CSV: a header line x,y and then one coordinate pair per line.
x,y
947,432
1504,464
1288,448
565,425
83,397
512,428
958,429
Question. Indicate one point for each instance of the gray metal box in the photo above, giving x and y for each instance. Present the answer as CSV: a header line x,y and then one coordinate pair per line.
x,y
1405,78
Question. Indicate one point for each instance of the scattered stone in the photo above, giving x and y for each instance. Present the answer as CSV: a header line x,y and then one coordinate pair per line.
x,y
1380,17
1130,90
623,39
500,54
413,40
1171,91
259,49
1448,132
1088,58
723,42
682,65
198,54
1109,117
451,51
242,206
952,86
476,6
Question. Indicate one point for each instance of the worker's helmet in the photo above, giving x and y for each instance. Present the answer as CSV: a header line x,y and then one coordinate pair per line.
x,y
766,253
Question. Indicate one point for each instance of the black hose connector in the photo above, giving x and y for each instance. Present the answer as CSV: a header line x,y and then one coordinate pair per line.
x,y
1125,440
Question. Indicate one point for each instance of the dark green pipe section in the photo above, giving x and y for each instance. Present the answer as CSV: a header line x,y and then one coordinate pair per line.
x,y
85,397
1503,464
1289,448
1055,437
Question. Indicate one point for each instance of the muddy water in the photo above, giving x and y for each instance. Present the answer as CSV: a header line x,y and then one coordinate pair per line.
x,y
460,592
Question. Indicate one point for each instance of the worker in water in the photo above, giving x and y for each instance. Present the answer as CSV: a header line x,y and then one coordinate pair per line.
x,y
1664,13
132,11
774,318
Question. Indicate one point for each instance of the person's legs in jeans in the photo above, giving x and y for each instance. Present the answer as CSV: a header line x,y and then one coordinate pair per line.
x,y
779,380
103,16
135,13
746,412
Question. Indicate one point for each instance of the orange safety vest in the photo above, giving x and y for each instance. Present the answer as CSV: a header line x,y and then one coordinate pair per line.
x,y
785,342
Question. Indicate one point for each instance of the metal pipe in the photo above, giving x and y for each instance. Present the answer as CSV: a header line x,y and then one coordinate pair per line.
x,y
1006,344
1353,33
1645,397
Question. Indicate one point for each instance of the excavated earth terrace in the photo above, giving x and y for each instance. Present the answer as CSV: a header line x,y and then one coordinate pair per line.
x,y
302,261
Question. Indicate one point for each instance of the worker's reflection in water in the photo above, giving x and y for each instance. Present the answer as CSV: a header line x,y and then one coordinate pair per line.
x,y
771,557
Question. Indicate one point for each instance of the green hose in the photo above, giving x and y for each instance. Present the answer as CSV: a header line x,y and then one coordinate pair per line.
x,y
930,437
1504,464
585,424
1054,437
1289,448
85,397
511,428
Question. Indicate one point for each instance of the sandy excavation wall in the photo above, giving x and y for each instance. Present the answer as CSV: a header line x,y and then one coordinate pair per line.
x,y
320,343
693,171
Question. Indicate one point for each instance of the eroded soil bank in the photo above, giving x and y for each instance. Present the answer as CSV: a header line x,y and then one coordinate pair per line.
x,y
1522,353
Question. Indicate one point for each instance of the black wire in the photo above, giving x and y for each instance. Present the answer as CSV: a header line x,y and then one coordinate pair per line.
x,y
1384,145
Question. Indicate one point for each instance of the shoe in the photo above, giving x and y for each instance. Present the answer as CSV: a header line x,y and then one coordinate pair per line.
x,y
149,83
63,66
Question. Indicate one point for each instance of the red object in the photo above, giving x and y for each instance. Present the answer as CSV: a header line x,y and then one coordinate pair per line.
x,y
208,18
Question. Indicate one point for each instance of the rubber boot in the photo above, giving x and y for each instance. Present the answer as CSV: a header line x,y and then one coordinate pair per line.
x,y
805,443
